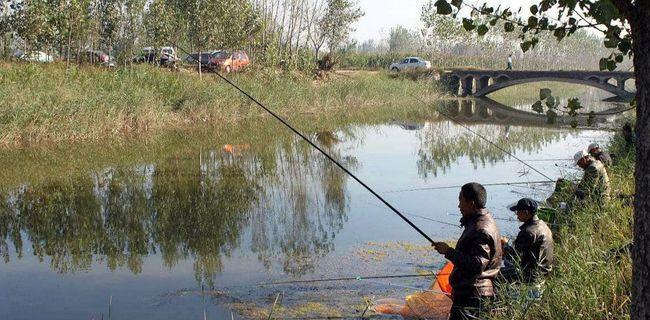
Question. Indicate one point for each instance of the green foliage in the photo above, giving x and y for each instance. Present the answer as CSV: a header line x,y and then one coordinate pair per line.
x,y
52,104
337,21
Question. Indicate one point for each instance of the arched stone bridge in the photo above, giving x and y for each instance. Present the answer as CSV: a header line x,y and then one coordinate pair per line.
x,y
479,83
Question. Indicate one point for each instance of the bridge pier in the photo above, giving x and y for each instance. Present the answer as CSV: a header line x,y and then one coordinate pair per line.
x,y
482,82
467,86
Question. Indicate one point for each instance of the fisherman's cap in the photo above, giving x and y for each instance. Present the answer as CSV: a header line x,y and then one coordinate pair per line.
x,y
592,146
579,155
527,204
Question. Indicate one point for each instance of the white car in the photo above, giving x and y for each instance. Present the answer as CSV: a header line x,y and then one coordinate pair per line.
x,y
37,56
410,63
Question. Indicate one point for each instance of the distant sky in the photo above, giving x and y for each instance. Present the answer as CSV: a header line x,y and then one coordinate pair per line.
x,y
381,15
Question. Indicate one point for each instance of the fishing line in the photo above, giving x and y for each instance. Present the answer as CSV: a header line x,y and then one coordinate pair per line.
x,y
485,185
285,123
359,278
490,142
417,216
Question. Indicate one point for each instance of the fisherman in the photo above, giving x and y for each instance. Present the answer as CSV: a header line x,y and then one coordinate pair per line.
x,y
595,181
509,64
477,256
533,247
598,154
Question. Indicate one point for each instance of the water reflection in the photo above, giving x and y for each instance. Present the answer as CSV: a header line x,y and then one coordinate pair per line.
x,y
197,207
282,199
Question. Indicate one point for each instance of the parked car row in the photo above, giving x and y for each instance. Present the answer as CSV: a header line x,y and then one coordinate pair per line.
x,y
224,60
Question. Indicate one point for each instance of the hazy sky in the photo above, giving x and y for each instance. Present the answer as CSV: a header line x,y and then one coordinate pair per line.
x,y
381,15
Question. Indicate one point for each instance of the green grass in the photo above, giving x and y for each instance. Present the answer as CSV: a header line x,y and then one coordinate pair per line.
x,y
48,104
590,281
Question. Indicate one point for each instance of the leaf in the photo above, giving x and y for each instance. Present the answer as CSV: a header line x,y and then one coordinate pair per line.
x,y
573,106
533,9
625,46
602,64
509,27
457,3
619,58
482,30
525,46
611,65
532,22
550,102
544,93
468,24
610,43
574,123
551,116
443,7
537,107
559,33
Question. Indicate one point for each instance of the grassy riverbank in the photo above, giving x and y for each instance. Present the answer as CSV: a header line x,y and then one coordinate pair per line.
x,y
47,103
591,280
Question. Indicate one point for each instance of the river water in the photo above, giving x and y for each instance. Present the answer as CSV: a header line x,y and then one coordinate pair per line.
x,y
192,230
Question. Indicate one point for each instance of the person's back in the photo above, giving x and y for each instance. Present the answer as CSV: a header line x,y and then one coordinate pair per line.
x,y
603,157
595,182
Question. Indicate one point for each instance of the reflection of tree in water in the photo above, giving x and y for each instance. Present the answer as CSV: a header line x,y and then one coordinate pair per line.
x,y
184,208
303,208
443,143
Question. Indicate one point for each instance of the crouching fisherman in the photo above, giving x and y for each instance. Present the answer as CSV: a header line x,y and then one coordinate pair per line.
x,y
532,256
477,256
595,181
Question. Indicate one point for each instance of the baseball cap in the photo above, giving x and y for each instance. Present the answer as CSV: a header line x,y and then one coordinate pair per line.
x,y
525,204
579,155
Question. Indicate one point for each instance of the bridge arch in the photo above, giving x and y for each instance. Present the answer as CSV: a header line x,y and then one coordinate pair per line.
x,y
594,79
588,82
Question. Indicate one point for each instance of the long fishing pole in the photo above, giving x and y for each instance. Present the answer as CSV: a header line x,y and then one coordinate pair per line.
x,y
285,123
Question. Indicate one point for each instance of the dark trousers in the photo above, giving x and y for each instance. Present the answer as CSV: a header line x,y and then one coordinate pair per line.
x,y
467,308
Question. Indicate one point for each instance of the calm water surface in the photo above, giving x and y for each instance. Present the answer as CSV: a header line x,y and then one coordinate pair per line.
x,y
149,237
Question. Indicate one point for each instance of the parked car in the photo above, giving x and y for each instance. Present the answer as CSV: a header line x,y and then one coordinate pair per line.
x,y
230,61
146,55
410,63
168,56
193,58
36,56
96,57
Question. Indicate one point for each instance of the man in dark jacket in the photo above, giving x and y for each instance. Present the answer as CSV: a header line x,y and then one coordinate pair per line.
x,y
599,154
477,256
533,247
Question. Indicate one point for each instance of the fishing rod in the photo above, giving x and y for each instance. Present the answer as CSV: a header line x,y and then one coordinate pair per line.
x,y
323,152
485,185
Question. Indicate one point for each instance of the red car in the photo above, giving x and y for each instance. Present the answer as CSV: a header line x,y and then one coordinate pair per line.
x,y
229,61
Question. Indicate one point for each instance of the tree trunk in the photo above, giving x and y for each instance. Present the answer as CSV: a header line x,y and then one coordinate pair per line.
x,y
641,251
